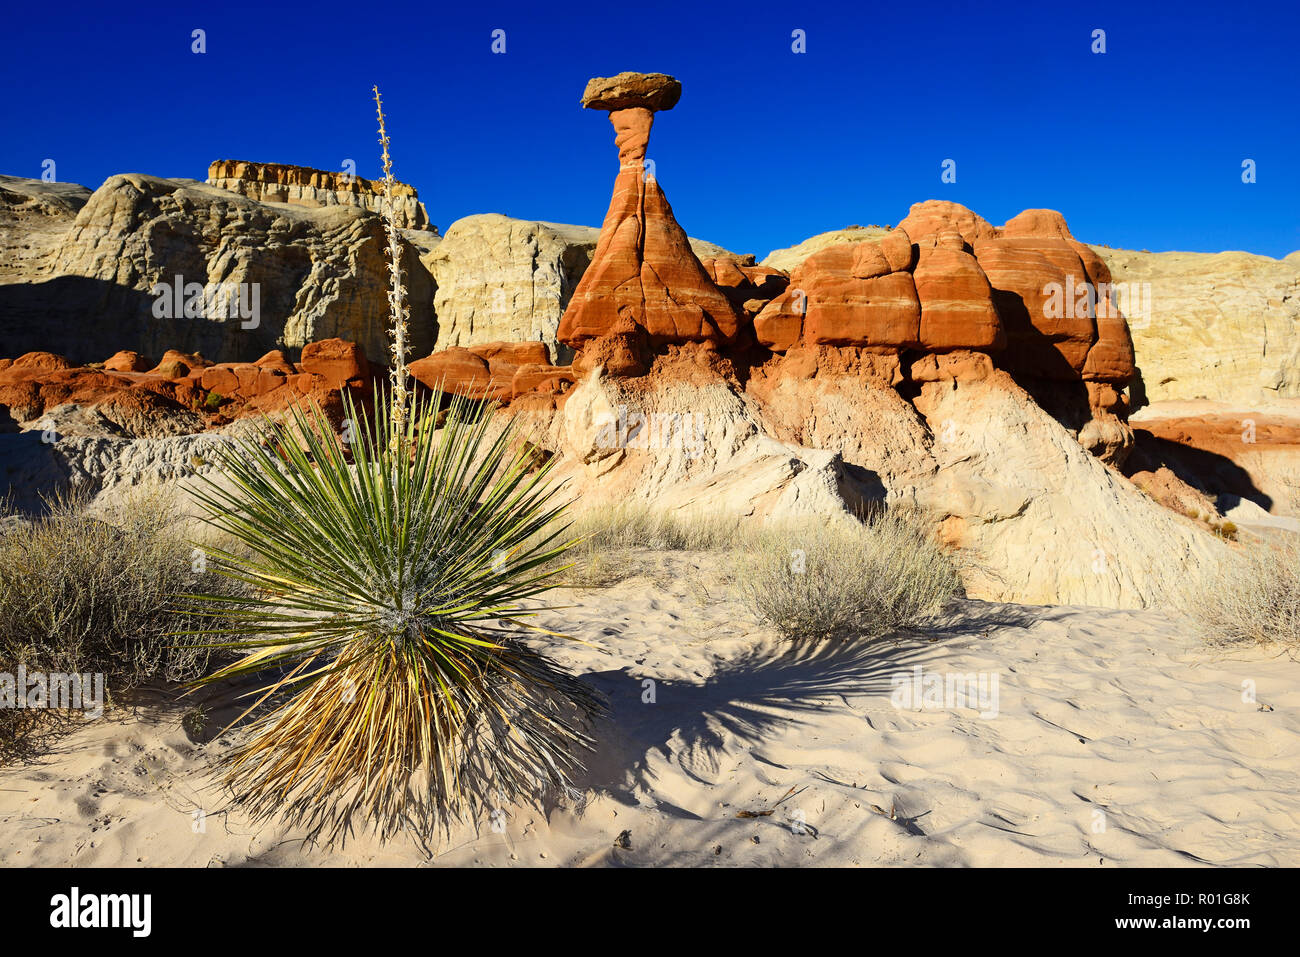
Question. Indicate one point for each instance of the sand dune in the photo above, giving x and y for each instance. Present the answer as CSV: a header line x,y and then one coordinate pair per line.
x,y
1118,740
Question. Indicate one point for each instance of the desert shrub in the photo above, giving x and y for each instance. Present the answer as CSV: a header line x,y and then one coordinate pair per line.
x,y
81,594
625,541
642,526
394,603
846,579
1247,596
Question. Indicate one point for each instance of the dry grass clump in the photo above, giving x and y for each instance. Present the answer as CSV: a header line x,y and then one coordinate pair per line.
x,y
1291,503
86,595
614,544
846,580
1250,596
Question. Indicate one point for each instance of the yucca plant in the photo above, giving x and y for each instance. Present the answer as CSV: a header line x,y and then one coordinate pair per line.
x,y
391,604
395,579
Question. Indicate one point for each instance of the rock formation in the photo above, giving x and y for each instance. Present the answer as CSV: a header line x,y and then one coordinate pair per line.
x,y
315,273
183,393
1218,326
499,371
643,271
945,279
34,215
302,186
502,279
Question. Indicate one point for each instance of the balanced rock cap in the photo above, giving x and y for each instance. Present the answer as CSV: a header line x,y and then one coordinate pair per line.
x,y
652,91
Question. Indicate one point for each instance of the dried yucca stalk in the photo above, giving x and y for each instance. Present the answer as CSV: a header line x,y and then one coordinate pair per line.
x,y
398,311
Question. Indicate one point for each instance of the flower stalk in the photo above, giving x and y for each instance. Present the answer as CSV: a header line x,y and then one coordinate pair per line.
x,y
399,312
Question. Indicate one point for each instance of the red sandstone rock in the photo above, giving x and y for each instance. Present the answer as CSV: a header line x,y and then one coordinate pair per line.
x,y
1045,337
925,220
1111,358
534,377
961,365
42,361
643,269
337,361
748,287
956,302
125,361
810,361
177,365
461,372
275,361
779,325
625,352
843,311
506,357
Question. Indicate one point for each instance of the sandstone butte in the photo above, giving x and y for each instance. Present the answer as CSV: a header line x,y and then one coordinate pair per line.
x,y
303,186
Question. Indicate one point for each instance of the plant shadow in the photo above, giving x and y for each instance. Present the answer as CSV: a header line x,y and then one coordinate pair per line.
x,y
748,698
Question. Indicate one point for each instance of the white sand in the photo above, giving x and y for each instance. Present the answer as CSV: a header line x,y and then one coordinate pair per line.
x,y
1117,712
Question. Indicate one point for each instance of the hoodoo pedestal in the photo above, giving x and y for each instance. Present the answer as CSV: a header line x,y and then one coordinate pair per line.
x,y
644,278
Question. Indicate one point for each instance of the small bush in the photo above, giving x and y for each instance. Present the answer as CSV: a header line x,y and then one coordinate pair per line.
x,y
85,595
846,580
1250,596
609,541
640,526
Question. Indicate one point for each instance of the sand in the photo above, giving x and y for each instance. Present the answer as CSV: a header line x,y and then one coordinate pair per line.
x,y
1118,741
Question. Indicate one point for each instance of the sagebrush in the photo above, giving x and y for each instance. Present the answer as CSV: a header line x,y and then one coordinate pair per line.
x,y
1249,595
859,579
87,594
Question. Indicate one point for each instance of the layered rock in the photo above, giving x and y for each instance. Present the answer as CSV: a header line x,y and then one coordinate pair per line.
x,y
1218,326
506,279
291,274
498,371
34,215
946,279
303,186
183,393
643,270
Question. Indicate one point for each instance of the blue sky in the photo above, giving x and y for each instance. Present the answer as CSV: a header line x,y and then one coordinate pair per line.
x,y
1140,147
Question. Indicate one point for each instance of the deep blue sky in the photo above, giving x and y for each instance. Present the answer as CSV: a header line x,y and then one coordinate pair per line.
x,y
1140,147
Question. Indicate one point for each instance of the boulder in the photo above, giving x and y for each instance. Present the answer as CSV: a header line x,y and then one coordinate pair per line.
x,y
461,372
337,361
126,361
